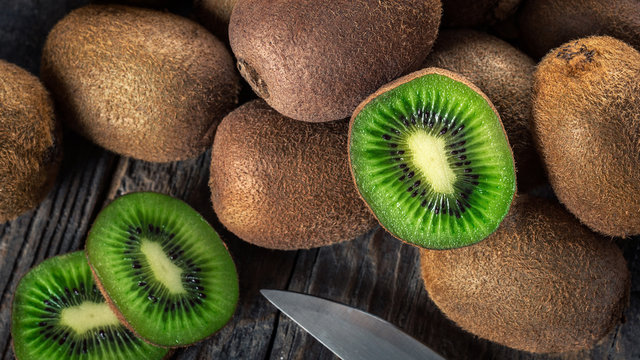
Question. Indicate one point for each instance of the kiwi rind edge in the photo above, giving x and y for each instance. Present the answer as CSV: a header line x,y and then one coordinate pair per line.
x,y
402,80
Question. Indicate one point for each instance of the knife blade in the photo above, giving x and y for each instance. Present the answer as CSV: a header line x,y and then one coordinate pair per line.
x,y
349,333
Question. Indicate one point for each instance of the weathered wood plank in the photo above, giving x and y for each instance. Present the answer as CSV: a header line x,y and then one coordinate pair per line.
x,y
58,225
24,25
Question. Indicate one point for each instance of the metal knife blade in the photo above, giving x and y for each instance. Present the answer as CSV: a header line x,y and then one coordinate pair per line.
x,y
349,333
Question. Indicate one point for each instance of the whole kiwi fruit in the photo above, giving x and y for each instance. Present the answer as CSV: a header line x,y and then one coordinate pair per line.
x,y
215,15
586,122
546,24
310,64
139,82
284,184
505,74
470,13
541,283
30,141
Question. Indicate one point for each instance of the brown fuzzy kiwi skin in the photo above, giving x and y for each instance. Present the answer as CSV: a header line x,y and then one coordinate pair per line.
x,y
215,15
546,24
505,74
139,82
283,184
470,13
311,65
586,123
392,85
541,283
31,139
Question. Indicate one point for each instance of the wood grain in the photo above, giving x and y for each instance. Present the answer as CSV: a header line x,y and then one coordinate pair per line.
x,y
374,272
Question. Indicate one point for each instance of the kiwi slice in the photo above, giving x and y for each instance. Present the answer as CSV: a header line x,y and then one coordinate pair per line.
x,y
163,269
58,313
430,157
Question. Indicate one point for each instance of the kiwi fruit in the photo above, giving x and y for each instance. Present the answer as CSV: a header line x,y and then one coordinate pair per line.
x,y
547,24
311,65
505,74
541,283
31,142
470,13
586,122
162,268
429,156
284,184
215,15
58,313
139,82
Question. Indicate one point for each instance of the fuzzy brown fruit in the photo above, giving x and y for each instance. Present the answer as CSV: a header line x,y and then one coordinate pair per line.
x,y
284,184
215,15
546,24
505,74
310,64
30,141
586,113
139,82
470,13
541,283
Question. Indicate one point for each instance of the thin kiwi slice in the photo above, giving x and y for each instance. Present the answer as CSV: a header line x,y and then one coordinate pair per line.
x,y
163,268
430,157
58,313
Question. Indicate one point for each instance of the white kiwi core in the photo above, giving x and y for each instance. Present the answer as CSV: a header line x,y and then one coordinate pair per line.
x,y
164,270
88,315
430,157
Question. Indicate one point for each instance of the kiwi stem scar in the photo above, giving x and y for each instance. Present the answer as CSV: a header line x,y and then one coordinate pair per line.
x,y
88,315
164,270
430,157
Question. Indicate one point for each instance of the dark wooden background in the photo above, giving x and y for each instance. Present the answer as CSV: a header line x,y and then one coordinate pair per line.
x,y
373,272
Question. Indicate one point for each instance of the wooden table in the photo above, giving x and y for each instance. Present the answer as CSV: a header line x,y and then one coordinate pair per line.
x,y
374,272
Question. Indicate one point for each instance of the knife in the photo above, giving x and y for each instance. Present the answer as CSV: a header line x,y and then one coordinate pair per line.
x,y
349,333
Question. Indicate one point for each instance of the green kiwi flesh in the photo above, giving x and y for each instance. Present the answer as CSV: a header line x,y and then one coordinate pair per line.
x,y
139,82
59,313
284,184
505,74
30,142
586,122
311,65
163,268
430,157
541,283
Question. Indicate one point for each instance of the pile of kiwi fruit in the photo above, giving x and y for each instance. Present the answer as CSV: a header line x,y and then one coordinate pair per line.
x,y
363,113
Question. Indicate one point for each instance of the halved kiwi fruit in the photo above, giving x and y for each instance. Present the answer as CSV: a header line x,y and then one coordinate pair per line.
x,y
163,269
430,157
58,313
